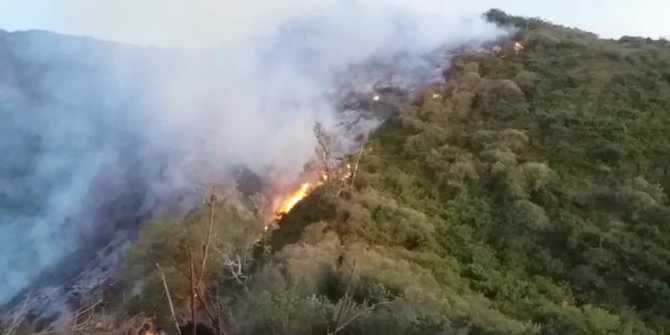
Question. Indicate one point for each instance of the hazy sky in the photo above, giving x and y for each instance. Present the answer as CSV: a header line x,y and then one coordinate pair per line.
x,y
207,22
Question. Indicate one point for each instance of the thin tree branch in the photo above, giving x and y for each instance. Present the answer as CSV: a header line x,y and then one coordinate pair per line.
x,y
359,314
167,294
193,294
18,318
212,201
358,160
344,315
212,318
345,300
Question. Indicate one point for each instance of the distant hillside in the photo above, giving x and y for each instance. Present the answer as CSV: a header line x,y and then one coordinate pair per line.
x,y
59,105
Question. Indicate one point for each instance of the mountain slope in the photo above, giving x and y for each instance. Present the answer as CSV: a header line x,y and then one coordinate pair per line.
x,y
527,195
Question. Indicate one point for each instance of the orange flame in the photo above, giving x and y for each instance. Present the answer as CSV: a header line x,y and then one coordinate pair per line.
x,y
293,198
286,202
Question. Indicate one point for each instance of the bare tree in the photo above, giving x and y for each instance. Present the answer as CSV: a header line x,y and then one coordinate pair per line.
x,y
237,261
354,170
196,280
259,203
203,266
335,170
324,151
236,267
349,310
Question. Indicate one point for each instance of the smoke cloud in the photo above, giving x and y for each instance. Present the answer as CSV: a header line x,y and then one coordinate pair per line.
x,y
96,136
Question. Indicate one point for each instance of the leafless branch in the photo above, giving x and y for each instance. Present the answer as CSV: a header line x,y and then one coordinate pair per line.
x,y
212,201
213,318
99,324
236,268
358,160
167,294
18,319
345,302
236,263
323,149
355,316
193,294
76,324
259,203
345,314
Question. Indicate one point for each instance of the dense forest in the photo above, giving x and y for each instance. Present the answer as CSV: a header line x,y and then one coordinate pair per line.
x,y
526,195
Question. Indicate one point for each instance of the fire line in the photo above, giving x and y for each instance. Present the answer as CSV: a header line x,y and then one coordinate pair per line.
x,y
293,198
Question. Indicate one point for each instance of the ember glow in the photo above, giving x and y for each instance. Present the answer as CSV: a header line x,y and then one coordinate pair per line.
x,y
290,200
518,47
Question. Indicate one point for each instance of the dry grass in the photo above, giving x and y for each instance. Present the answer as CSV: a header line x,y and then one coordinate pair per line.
x,y
16,320
86,321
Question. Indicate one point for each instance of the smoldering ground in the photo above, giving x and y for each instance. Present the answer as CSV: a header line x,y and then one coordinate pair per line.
x,y
95,134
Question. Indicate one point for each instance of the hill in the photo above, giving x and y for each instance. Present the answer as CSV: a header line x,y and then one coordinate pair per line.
x,y
525,195
73,175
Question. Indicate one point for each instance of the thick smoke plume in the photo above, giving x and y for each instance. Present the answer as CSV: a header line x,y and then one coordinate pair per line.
x,y
95,136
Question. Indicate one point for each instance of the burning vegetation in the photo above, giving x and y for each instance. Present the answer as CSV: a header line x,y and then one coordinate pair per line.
x,y
201,266
479,210
288,201
509,47
327,166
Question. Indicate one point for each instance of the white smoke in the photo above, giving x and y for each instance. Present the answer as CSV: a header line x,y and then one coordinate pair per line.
x,y
94,134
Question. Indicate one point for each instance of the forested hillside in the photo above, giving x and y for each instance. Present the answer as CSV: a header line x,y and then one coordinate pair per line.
x,y
529,197
526,195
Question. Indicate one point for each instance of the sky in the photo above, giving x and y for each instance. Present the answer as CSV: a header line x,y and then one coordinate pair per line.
x,y
203,23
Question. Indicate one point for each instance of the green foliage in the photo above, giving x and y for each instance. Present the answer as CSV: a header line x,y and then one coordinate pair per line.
x,y
171,244
529,197
283,309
